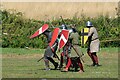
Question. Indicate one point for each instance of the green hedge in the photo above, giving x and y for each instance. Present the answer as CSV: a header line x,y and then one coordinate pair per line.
x,y
16,29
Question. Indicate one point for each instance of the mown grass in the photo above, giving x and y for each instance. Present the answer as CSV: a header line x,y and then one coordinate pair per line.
x,y
21,51
22,63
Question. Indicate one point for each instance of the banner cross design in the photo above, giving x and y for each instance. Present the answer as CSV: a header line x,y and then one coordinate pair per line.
x,y
84,36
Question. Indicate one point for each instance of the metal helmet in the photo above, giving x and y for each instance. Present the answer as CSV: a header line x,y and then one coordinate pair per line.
x,y
70,31
63,26
88,24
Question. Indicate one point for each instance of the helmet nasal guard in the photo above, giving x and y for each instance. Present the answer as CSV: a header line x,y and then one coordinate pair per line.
x,y
88,24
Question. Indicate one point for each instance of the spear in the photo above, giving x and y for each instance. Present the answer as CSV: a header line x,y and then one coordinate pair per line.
x,y
78,54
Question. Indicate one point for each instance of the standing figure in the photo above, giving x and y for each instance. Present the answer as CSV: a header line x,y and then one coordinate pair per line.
x,y
74,37
93,43
49,53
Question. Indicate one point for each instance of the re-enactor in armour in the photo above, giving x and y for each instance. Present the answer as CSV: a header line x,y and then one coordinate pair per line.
x,y
48,52
93,44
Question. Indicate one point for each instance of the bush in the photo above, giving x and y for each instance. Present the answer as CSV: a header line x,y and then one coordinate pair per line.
x,y
16,29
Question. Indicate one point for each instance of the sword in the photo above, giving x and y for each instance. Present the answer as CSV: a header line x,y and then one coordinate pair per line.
x,y
40,59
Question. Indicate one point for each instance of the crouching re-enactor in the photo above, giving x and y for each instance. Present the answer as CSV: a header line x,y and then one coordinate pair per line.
x,y
49,53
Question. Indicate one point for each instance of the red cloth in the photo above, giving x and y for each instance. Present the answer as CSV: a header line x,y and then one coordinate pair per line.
x,y
69,63
95,58
91,56
81,66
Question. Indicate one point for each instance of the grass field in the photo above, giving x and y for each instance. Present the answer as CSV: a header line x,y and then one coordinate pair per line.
x,y
22,63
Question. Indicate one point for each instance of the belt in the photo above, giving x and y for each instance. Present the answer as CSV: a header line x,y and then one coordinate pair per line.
x,y
94,39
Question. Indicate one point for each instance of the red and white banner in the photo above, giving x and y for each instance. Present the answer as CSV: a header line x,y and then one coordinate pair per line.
x,y
40,31
63,38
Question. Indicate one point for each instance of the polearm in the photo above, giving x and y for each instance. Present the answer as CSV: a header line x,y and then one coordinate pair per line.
x,y
78,54
62,20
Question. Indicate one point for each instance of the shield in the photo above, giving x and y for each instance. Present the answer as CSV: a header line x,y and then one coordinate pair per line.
x,y
63,38
40,31
84,36
54,36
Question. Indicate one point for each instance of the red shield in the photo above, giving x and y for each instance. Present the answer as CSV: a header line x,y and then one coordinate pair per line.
x,y
54,36
40,31
63,38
